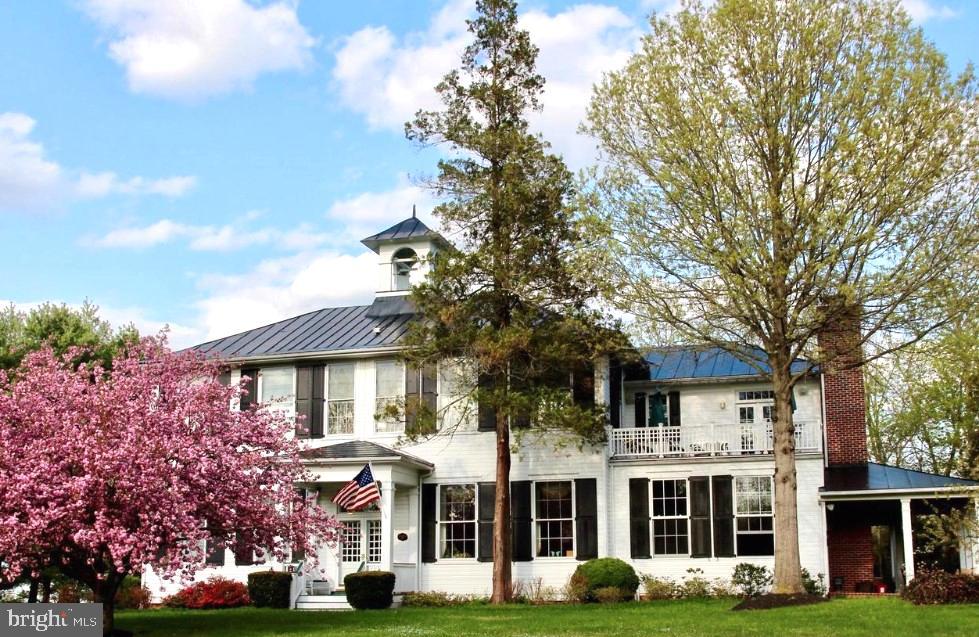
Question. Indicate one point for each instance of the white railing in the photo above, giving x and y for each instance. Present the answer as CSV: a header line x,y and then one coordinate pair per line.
x,y
298,586
705,440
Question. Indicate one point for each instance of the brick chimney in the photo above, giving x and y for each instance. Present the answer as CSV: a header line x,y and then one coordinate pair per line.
x,y
843,391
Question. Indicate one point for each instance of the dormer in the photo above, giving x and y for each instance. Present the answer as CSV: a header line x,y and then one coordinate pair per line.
x,y
403,252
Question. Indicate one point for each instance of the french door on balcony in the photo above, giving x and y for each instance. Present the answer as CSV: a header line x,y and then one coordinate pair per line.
x,y
755,419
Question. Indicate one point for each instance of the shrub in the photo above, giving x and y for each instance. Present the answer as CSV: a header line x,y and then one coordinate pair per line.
x,y
370,589
217,592
604,572
269,589
751,580
695,585
438,599
576,590
658,587
935,586
132,594
611,595
721,587
533,591
813,585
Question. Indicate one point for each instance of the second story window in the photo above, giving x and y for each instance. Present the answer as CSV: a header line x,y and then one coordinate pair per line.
x,y
389,391
340,398
278,387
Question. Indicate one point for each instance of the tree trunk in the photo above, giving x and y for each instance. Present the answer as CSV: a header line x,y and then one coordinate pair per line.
x,y
788,570
46,589
502,547
32,592
105,593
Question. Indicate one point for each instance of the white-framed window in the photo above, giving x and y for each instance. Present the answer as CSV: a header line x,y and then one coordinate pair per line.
x,y
554,515
389,381
670,516
756,395
340,398
278,387
457,521
753,510
403,264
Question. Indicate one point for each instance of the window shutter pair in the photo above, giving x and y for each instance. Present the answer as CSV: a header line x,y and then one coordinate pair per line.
x,y
250,396
421,389
310,382
702,509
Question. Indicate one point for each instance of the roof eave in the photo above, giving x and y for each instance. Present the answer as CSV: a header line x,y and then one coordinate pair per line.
x,y
300,356
896,494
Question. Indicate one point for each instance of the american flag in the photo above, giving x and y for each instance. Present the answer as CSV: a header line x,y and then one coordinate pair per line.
x,y
359,492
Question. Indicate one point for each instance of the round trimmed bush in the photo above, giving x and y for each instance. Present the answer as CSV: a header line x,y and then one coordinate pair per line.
x,y
269,589
370,589
607,572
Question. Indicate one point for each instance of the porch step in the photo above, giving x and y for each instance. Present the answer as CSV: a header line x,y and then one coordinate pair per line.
x,y
334,601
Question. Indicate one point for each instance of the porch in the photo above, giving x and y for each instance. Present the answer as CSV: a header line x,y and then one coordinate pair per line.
x,y
711,439
382,536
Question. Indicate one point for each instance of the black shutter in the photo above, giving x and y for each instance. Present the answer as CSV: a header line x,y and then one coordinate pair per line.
x,y
250,396
522,538
700,541
429,387
583,386
244,552
412,387
317,402
428,522
723,512
674,400
586,518
486,504
615,393
304,401
487,415
215,554
639,517
641,415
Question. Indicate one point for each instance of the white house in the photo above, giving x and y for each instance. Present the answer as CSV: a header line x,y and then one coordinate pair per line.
x,y
684,480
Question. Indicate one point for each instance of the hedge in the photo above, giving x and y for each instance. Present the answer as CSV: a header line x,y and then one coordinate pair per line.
x,y
370,589
603,573
269,589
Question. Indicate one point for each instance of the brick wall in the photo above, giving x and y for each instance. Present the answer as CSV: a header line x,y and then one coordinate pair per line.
x,y
846,404
851,554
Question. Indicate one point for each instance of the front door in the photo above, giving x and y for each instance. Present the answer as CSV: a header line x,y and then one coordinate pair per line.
x,y
360,543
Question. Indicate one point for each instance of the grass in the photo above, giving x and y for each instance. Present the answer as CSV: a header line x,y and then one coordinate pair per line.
x,y
889,617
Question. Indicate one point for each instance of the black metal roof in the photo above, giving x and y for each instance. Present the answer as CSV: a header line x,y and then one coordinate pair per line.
x,y
328,330
692,363
881,477
357,450
410,228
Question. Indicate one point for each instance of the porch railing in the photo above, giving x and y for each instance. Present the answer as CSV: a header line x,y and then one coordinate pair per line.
x,y
705,440
298,585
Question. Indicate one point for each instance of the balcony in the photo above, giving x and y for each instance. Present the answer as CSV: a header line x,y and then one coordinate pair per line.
x,y
694,441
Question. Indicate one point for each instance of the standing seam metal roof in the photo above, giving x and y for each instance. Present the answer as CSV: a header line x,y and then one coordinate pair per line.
x,y
713,362
325,330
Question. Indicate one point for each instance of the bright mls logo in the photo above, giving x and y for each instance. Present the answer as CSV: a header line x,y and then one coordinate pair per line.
x,y
77,620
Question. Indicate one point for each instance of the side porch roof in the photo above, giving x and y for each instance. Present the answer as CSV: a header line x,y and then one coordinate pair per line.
x,y
879,481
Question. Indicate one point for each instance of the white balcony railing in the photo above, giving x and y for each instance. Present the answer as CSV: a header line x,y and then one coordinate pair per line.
x,y
705,440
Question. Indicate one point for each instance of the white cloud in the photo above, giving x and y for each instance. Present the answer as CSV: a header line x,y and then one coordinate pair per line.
x,y
108,183
191,50
29,180
367,213
388,79
924,10
209,238
280,288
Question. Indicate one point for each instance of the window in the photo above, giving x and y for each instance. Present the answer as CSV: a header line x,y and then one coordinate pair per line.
x,y
670,523
555,519
764,394
753,509
340,398
390,389
403,263
457,521
278,386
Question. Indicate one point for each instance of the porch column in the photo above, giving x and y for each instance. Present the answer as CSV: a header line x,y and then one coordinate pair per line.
x,y
907,540
387,525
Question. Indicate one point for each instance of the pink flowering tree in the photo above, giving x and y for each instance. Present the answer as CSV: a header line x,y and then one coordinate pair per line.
x,y
106,471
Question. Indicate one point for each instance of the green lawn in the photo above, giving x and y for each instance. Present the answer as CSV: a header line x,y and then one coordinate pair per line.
x,y
876,617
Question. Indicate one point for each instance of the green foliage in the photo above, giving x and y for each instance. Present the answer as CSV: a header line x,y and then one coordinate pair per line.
x,y
611,595
62,328
370,589
269,589
814,585
438,599
132,594
606,572
695,585
656,588
751,580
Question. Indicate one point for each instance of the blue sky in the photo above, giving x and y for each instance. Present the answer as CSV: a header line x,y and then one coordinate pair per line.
x,y
212,165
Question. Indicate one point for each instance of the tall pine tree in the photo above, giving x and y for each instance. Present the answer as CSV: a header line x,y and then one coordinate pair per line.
x,y
508,300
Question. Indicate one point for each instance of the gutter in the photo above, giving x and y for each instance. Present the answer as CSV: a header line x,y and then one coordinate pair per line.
x,y
321,354
897,494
